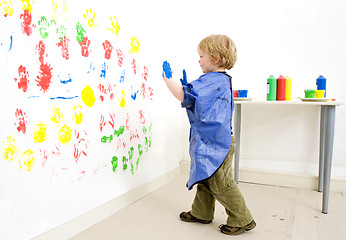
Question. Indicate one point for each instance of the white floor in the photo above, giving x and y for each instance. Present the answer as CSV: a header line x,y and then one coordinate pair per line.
x,y
280,213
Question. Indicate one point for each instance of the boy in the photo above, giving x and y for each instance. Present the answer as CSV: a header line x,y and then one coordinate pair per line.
x,y
209,104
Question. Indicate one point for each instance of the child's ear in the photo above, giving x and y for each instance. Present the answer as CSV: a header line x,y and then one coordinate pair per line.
x,y
216,60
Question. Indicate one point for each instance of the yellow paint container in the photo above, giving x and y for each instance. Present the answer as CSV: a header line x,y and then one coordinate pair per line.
x,y
319,94
288,88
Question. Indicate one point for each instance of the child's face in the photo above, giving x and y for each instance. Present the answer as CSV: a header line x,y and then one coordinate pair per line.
x,y
206,63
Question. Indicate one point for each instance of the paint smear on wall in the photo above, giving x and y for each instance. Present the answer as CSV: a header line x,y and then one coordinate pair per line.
x,y
57,116
134,45
126,137
81,145
21,120
120,57
26,24
104,68
78,114
122,99
23,81
40,133
44,77
106,90
114,163
106,139
26,5
60,33
107,46
7,9
65,81
85,44
9,151
60,11
145,74
65,134
122,76
115,26
64,47
88,96
89,15
11,42
44,27
80,33
141,117
120,131
26,162
134,66
134,94
40,50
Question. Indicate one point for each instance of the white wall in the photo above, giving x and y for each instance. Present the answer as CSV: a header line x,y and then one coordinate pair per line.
x,y
60,188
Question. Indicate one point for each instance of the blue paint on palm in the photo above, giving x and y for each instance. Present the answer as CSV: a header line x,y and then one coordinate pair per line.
x,y
184,80
167,69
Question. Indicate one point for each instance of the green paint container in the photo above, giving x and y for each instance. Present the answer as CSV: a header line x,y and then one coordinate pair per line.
x,y
271,88
309,93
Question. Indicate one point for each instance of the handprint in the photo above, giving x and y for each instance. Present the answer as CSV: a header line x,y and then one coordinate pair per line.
x,y
44,26
61,32
90,17
60,10
134,45
115,26
7,9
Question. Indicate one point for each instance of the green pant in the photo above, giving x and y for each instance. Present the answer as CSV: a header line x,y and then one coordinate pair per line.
x,y
222,187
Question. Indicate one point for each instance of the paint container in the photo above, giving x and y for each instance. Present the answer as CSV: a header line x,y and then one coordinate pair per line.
x,y
321,84
271,88
309,93
288,88
319,94
235,93
281,88
242,93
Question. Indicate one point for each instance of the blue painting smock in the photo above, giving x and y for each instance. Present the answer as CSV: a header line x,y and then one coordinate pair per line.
x,y
209,104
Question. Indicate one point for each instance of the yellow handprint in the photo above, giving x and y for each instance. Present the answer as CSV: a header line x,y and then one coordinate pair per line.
x,y
60,10
90,17
134,45
115,27
27,5
7,9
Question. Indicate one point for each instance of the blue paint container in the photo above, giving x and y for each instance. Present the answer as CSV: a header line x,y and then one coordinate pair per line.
x,y
242,93
321,84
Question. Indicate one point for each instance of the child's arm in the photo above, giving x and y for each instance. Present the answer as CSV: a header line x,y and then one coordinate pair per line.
x,y
174,88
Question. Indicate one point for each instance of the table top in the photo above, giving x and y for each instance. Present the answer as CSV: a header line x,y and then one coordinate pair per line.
x,y
291,102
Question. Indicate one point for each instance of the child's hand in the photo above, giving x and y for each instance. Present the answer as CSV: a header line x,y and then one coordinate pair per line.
x,y
164,76
184,80
167,69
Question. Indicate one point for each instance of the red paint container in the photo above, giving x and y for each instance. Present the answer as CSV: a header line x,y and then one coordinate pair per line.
x,y
281,89
235,93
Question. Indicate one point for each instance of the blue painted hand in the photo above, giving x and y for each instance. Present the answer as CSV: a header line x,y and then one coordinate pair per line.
x,y
167,69
184,80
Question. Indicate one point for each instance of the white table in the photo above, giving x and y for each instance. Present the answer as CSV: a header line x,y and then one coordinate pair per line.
x,y
327,123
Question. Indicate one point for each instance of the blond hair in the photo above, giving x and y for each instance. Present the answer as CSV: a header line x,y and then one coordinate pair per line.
x,y
221,48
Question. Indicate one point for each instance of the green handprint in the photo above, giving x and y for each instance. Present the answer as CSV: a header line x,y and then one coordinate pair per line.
x,y
80,33
44,25
61,32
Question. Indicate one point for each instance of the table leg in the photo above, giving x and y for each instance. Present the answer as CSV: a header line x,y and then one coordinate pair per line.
x,y
237,123
322,146
328,153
